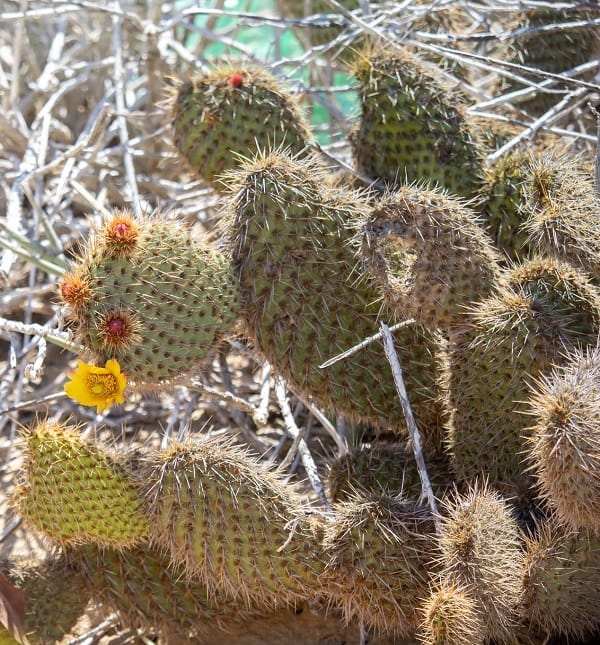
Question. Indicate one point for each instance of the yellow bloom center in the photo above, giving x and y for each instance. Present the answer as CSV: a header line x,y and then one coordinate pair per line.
x,y
103,385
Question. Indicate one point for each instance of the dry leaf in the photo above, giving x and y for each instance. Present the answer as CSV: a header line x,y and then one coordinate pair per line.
x,y
12,609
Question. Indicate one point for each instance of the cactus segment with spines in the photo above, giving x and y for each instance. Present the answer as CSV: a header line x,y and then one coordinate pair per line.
x,y
74,491
564,440
383,468
231,111
149,294
501,203
551,50
148,590
232,523
378,549
413,126
305,299
540,309
430,254
561,207
561,585
480,550
56,597
451,616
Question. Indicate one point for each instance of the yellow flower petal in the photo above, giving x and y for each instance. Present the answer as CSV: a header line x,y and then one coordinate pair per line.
x,y
100,386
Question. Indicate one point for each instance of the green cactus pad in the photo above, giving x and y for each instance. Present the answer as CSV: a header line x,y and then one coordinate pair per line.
x,y
561,207
378,549
56,597
413,126
564,440
501,202
149,591
383,468
155,298
451,616
305,299
480,549
561,585
233,523
231,112
430,254
540,308
73,491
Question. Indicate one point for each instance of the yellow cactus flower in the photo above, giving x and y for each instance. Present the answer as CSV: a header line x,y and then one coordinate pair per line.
x,y
99,386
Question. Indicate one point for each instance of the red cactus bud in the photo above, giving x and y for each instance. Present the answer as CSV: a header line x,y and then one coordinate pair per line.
x,y
236,79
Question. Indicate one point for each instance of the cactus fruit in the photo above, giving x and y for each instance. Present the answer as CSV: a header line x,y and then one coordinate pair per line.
x,y
55,598
232,523
561,585
383,468
539,309
305,300
413,126
148,278
561,206
149,591
231,111
378,549
430,255
451,616
73,491
564,442
480,549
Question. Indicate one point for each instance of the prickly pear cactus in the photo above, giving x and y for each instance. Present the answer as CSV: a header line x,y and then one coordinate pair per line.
x,y
553,50
148,294
502,204
305,299
480,550
430,254
74,491
539,309
561,207
450,615
564,440
561,585
379,549
148,591
413,126
383,468
55,594
233,111
232,523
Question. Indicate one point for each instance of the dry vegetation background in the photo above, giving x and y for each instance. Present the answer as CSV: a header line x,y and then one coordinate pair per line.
x,y
83,130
